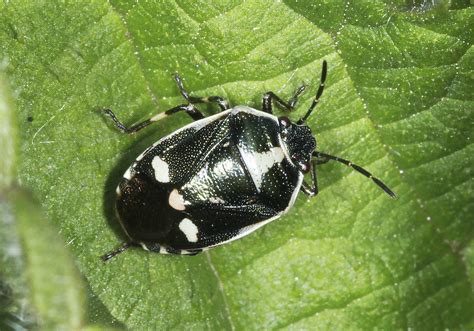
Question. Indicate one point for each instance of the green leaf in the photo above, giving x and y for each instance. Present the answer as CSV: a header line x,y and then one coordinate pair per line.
x,y
8,136
13,293
55,286
398,101
39,283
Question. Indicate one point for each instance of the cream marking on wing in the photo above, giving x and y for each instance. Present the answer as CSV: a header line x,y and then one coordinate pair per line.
x,y
216,200
141,156
251,228
162,172
258,164
189,229
176,200
128,174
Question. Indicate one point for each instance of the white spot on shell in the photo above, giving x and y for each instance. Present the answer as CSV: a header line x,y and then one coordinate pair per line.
x,y
258,164
189,229
162,172
176,200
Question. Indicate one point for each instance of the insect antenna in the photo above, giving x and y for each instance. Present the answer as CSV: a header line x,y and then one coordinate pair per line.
x,y
358,169
318,94
117,251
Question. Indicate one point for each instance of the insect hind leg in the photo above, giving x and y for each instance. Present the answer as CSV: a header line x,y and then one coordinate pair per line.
x,y
189,109
122,248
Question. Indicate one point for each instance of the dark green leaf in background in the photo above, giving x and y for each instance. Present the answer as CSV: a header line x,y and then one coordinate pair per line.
x,y
399,101
8,136
39,283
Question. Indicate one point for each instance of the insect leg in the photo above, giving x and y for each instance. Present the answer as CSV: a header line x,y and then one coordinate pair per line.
x,y
119,250
321,160
221,102
194,252
189,109
289,106
357,168
312,190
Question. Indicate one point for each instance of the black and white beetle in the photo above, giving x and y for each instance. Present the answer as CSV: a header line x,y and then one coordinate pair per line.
x,y
220,177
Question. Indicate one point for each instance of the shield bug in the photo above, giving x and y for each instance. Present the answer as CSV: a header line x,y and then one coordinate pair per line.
x,y
220,177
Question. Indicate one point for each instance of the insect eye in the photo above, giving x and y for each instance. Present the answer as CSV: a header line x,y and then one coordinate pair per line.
x,y
305,166
284,121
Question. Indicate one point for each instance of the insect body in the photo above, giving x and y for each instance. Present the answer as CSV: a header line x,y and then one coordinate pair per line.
x,y
220,177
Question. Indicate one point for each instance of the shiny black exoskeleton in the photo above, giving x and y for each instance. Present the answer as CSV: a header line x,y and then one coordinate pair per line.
x,y
220,177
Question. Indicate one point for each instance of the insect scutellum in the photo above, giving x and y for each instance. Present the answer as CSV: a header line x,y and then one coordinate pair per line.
x,y
165,202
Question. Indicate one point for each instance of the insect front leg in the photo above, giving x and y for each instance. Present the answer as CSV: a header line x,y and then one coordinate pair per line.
x,y
289,106
221,102
312,190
